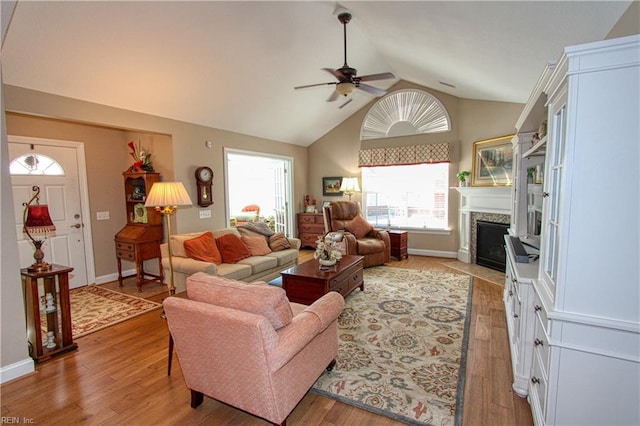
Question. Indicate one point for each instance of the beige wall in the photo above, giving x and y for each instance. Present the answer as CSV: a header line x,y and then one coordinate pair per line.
x,y
336,153
107,156
177,149
628,24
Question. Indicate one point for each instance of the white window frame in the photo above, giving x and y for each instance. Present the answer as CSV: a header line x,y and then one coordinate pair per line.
x,y
400,214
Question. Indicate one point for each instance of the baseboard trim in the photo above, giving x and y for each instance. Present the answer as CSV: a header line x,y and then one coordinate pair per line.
x,y
113,277
17,370
433,253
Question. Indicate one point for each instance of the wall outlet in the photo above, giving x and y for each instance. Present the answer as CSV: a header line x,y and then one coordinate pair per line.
x,y
102,215
205,214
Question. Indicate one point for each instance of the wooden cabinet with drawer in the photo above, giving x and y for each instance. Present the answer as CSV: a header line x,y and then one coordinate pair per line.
x,y
399,242
136,243
310,227
140,238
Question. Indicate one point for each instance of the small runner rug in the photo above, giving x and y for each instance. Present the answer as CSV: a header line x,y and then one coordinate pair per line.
x,y
94,308
402,346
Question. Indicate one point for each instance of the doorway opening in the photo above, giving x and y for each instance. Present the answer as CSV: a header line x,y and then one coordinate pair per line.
x,y
259,188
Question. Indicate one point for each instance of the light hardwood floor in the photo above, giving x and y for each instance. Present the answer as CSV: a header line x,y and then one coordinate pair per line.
x,y
118,377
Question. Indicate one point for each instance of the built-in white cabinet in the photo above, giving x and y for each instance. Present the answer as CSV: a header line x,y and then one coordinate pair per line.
x,y
584,312
518,298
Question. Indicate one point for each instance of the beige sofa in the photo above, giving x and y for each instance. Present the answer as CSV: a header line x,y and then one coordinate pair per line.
x,y
254,268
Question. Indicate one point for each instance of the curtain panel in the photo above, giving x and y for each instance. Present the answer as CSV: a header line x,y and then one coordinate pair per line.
x,y
405,155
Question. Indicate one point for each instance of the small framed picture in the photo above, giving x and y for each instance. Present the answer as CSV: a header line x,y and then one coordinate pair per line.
x,y
492,162
311,209
331,186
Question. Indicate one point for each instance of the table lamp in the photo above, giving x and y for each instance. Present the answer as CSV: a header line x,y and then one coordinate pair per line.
x,y
350,186
166,197
37,225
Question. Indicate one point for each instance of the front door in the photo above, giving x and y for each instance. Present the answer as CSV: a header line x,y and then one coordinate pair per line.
x,y
54,168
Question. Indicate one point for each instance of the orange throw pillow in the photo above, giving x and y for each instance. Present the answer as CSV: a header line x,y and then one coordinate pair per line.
x,y
232,248
257,245
203,248
359,227
279,241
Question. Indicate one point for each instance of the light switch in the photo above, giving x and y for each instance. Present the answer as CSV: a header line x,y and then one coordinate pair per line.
x,y
102,215
205,214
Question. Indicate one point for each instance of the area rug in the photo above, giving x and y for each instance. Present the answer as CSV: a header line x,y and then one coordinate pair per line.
x,y
402,346
94,308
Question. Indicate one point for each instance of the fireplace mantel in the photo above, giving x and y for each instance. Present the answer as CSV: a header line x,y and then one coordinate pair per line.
x,y
489,200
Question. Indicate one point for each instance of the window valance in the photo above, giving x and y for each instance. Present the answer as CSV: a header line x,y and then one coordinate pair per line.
x,y
404,155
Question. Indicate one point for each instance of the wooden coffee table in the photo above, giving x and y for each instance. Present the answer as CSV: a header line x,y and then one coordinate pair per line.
x,y
306,283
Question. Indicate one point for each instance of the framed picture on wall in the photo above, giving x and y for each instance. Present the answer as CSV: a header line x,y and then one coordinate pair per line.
x,y
331,186
492,162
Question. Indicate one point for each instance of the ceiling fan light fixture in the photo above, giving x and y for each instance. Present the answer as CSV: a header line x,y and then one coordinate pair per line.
x,y
346,88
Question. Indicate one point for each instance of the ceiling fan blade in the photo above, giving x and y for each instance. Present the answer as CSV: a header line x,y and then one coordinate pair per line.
x,y
345,104
381,76
336,73
373,90
314,85
334,96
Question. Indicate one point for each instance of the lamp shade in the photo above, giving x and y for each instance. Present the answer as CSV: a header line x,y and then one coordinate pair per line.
x,y
38,220
345,88
164,194
349,185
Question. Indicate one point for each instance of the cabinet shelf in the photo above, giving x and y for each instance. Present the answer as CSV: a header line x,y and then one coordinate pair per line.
x,y
537,150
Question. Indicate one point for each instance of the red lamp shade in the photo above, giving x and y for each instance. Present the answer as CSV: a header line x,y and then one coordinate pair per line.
x,y
38,220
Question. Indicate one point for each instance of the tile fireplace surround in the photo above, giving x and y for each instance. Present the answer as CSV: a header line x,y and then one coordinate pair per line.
x,y
490,203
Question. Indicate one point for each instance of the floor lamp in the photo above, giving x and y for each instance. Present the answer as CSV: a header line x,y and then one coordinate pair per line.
x,y
166,197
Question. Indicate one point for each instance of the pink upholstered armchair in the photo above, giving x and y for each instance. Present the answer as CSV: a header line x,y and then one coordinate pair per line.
x,y
246,345
360,237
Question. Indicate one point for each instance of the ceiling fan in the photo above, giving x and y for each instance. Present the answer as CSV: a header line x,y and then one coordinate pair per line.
x,y
348,81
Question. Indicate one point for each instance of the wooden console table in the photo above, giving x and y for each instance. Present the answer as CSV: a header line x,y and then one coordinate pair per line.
x,y
57,313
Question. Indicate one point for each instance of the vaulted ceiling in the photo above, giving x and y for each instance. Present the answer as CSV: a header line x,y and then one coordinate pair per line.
x,y
233,65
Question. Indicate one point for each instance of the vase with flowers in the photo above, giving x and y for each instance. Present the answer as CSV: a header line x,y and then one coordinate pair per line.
x,y
327,252
142,159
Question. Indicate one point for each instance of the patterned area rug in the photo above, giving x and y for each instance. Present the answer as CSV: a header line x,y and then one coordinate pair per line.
x,y
94,308
403,344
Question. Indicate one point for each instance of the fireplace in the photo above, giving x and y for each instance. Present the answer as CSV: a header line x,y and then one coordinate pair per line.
x,y
489,204
490,250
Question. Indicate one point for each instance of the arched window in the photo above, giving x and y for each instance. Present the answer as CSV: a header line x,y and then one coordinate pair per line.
x,y
404,113
35,164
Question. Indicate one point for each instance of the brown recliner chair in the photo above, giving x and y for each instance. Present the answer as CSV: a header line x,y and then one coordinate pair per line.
x,y
360,237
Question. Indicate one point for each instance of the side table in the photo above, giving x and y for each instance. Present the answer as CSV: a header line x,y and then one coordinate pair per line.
x,y
399,244
54,306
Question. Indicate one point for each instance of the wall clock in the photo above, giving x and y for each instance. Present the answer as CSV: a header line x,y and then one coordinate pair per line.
x,y
204,181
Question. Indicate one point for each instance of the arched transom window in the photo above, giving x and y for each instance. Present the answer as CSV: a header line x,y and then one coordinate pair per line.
x,y
35,164
404,113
